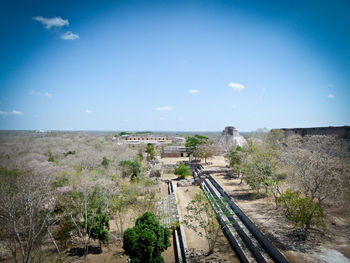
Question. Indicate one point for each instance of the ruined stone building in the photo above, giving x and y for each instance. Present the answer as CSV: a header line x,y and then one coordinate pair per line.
x,y
174,151
230,139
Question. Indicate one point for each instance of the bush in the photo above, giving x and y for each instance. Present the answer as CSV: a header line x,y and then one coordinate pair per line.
x,y
51,159
132,168
302,211
97,225
105,162
69,153
182,171
145,242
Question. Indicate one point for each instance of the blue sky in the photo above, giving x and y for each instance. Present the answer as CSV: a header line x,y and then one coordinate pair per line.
x,y
174,65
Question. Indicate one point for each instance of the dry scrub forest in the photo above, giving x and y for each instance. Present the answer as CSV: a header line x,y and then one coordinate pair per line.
x,y
74,196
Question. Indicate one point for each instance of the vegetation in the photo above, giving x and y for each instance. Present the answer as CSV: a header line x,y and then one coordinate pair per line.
x,y
26,213
235,159
97,225
131,168
182,171
145,242
202,219
150,151
105,162
302,210
192,143
69,153
205,150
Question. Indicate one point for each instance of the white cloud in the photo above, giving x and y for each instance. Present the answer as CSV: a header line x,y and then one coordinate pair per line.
x,y
69,35
3,113
164,108
14,112
31,92
193,91
234,106
51,22
47,94
331,96
236,86
88,111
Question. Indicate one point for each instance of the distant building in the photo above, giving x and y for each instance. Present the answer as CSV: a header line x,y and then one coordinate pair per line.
x,y
174,151
230,139
148,138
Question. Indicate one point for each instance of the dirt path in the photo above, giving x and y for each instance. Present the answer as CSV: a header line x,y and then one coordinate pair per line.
x,y
223,251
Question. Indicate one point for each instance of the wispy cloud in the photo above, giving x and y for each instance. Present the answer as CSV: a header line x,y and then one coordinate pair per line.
x,y
236,86
14,112
31,92
51,22
164,108
234,106
331,96
69,35
193,91
3,113
88,111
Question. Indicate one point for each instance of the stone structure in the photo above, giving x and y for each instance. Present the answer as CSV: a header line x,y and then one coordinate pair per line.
x,y
230,139
342,132
174,151
147,138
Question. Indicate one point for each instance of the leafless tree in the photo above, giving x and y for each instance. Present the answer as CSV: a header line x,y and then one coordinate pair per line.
x,y
319,164
27,201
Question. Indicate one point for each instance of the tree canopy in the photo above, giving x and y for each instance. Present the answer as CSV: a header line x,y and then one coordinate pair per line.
x,y
145,242
193,141
182,171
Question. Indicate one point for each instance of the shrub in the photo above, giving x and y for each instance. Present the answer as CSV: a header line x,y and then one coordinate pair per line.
x,y
105,162
97,225
302,211
182,171
51,159
69,153
145,242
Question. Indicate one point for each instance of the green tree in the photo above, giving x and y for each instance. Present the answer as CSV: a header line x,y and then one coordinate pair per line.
x,y
69,153
193,141
235,159
150,150
302,210
132,168
97,225
202,219
260,167
105,162
182,171
145,242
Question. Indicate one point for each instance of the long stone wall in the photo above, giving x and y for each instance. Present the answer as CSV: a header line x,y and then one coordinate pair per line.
x,y
342,132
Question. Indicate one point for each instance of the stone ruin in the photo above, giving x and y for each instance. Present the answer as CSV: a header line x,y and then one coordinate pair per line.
x,y
230,139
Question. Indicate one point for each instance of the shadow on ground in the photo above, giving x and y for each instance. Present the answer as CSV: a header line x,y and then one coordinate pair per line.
x,y
79,252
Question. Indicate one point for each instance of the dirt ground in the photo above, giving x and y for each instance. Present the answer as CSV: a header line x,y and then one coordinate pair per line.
x,y
223,251
113,251
271,222
323,245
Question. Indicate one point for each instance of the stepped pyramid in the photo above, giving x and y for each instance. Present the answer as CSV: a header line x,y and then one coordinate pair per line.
x,y
230,139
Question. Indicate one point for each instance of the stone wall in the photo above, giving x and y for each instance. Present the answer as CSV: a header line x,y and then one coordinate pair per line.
x,y
342,132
